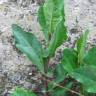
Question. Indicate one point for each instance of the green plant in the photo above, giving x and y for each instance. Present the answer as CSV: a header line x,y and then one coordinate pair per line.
x,y
81,65
75,64
51,19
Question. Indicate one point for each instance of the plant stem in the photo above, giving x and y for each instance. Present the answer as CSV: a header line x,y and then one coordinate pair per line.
x,y
45,70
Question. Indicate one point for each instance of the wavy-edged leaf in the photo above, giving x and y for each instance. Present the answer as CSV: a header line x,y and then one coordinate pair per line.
x,y
69,60
28,44
21,92
58,37
81,43
86,75
90,57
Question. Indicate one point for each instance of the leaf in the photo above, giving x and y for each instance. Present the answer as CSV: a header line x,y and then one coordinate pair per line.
x,y
86,75
21,92
90,57
49,15
42,22
81,43
61,91
69,60
29,45
59,73
54,12
58,37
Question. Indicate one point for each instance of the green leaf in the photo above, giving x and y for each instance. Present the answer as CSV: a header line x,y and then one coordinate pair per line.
x,y
90,57
59,73
61,91
58,37
42,22
54,12
21,92
28,44
49,15
69,60
81,43
86,75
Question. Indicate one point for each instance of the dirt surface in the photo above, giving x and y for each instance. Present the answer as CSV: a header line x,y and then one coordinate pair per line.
x,y
15,68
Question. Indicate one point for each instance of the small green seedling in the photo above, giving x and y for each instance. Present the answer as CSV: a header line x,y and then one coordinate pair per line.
x,y
76,63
